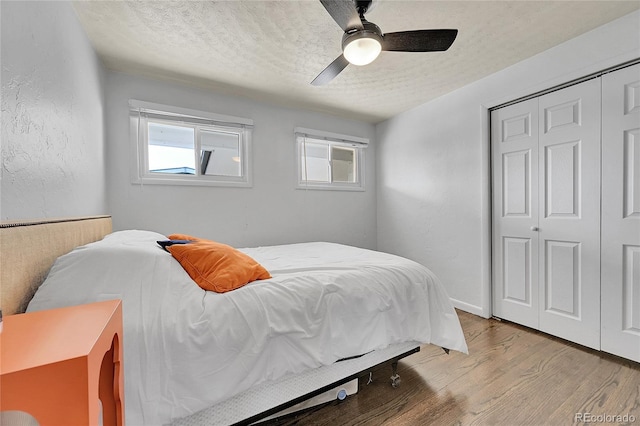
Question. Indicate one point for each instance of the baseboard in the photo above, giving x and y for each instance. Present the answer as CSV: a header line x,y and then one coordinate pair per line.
x,y
467,307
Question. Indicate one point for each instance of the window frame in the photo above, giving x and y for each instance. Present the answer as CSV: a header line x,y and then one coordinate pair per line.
x,y
303,135
141,113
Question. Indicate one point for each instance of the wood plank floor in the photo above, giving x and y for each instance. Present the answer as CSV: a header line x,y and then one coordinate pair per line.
x,y
512,376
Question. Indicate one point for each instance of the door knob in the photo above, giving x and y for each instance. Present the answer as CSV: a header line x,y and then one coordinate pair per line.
x,y
535,228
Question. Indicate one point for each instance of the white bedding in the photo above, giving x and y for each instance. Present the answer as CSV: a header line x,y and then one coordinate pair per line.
x,y
186,349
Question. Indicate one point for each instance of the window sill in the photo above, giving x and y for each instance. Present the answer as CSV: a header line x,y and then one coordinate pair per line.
x,y
331,188
192,182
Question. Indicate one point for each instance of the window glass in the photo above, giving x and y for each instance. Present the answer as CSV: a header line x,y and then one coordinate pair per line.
x,y
171,149
343,164
220,154
315,162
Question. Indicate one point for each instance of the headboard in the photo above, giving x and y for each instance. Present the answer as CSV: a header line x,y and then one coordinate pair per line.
x,y
28,249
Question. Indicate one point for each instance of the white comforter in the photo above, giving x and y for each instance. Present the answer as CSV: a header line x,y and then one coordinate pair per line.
x,y
186,349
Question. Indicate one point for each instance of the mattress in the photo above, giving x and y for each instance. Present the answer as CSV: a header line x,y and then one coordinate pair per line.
x,y
186,349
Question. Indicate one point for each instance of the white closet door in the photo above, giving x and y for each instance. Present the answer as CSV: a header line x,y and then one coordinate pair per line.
x,y
514,144
569,216
621,213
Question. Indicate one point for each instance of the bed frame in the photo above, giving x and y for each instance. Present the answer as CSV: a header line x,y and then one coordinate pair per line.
x,y
28,249
269,399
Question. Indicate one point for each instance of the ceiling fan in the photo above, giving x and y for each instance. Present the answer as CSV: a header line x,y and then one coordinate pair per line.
x,y
363,41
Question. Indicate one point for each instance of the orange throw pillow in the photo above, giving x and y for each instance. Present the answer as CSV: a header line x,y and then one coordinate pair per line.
x,y
215,266
183,237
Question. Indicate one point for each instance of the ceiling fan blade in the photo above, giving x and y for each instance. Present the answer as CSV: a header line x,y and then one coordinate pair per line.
x,y
419,40
330,72
344,13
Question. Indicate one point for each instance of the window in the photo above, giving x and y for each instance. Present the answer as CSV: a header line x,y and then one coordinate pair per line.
x,y
329,161
186,147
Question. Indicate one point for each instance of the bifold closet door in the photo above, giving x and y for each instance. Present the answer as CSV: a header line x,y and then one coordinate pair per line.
x,y
621,213
514,145
546,213
569,216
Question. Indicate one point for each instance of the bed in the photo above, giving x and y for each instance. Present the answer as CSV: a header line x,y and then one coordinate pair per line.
x,y
327,313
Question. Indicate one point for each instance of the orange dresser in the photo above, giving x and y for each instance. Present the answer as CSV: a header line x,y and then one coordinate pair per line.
x,y
59,364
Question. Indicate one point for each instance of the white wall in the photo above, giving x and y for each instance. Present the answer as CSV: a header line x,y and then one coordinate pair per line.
x,y
433,161
52,114
272,211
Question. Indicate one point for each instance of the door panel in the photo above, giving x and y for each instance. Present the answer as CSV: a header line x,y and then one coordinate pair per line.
x,y
569,224
562,277
562,179
562,115
621,213
631,179
514,142
516,183
631,289
517,270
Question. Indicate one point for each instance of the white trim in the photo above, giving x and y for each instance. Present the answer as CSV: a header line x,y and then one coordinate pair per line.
x,y
330,187
486,278
300,137
190,180
139,144
187,112
319,134
467,307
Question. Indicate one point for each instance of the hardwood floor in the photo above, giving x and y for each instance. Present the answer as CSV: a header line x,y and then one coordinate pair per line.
x,y
512,376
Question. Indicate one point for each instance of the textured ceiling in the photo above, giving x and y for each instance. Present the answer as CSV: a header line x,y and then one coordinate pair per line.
x,y
271,50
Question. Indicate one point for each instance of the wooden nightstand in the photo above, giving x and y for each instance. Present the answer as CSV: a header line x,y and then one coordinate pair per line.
x,y
58,364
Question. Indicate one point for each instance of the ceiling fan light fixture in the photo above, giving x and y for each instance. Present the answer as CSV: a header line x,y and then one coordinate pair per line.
x,y
362,41
361,47
362,50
